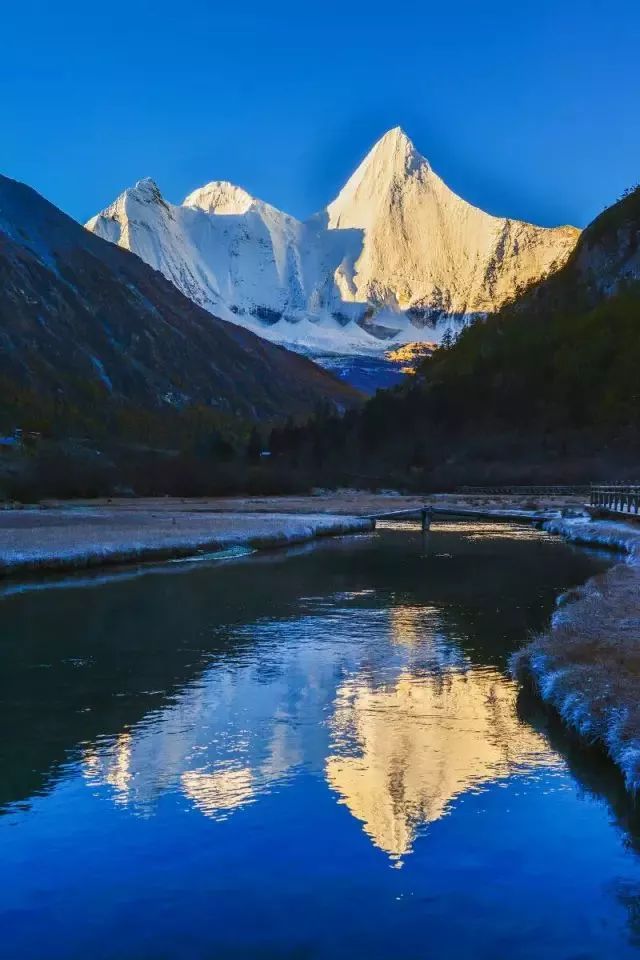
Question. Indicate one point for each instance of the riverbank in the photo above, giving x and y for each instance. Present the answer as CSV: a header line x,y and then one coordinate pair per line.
x,y
59,535
351,502
587,664
75,537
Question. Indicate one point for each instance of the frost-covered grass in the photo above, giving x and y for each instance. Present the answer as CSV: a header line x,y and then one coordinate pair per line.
x,y
587,664
610,534
79,537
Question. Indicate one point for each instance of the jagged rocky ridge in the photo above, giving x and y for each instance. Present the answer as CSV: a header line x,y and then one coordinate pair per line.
x,y
85,321
396,257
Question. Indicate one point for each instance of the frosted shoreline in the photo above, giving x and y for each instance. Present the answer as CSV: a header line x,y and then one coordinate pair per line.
x,y
586,665
76,538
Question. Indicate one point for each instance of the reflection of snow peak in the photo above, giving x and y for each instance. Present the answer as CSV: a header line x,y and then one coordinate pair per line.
x,y
396,257
223,790
423,741
116,772
223,742
413,726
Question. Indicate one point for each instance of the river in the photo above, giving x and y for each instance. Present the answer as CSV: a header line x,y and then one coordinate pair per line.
x,y
307,754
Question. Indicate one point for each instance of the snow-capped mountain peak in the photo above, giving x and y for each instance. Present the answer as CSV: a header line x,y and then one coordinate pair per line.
x,y
396,257
392,160
115,221
395,152
220,197
145,189
427,251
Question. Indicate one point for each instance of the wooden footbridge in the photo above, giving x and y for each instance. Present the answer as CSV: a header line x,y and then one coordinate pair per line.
x,y
424,514
427,513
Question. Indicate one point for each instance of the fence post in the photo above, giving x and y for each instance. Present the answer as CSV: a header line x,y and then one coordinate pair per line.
x,y
616,497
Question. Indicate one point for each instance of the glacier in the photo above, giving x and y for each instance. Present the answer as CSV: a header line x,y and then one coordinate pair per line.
x,y
396,258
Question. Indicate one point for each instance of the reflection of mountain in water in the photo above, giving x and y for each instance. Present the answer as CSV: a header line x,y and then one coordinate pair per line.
x,y
422,740
422,632
413,726
213,793
224,740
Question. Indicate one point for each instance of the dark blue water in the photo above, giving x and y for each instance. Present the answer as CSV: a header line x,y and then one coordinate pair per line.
x,y
312,755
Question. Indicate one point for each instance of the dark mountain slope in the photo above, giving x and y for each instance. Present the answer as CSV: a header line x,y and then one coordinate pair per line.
x,y
606,260
91,327
567,355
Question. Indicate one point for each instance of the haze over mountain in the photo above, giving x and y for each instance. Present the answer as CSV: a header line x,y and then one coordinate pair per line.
x,y
396,257
90,327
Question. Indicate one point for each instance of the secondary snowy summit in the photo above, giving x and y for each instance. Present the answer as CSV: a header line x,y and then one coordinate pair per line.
x,y
396,257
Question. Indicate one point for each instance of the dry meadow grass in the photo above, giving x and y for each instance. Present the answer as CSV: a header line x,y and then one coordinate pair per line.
x,y
587,665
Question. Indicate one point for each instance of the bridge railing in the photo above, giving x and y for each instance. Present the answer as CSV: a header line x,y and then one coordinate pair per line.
x,y
616,497
529,490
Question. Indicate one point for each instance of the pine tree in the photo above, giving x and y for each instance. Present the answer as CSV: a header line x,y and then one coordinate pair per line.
x,y
447,340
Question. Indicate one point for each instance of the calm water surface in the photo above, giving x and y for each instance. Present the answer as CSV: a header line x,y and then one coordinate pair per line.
x,y
308,755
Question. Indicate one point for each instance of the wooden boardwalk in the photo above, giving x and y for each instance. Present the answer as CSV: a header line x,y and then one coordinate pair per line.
x,y
620,499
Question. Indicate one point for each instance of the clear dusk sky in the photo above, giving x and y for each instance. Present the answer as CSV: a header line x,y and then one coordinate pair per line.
x,y
526,109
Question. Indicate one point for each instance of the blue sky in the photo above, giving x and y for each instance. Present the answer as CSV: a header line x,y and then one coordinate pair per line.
x,y
527,109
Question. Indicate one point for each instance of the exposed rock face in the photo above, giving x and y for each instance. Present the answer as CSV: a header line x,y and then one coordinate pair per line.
x,y
396,257
81,317
605,262
607,258
410,355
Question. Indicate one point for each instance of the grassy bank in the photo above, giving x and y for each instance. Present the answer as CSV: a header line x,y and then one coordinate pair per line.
x,y
587,664
79,537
